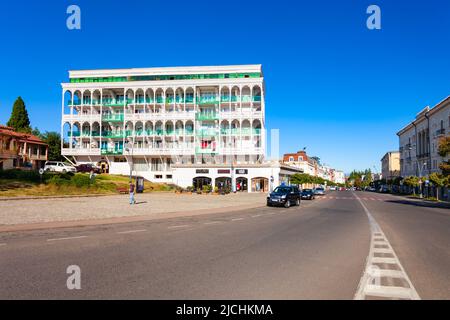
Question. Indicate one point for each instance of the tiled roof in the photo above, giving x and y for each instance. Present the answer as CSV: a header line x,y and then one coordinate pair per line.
x,y
23,137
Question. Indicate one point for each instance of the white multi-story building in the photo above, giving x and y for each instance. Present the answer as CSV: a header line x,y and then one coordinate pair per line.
x,y
182,125
419,140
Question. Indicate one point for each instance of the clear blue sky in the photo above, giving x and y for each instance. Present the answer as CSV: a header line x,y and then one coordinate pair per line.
x,y
333,86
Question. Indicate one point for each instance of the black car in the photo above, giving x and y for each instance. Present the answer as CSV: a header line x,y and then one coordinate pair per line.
x,y
308,194
284,196
87,168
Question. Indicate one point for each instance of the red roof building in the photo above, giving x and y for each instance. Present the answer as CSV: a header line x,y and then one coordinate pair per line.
x,y
21,150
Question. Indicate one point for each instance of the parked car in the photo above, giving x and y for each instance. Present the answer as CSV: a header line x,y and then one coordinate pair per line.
x,y
384,189
319,191
308,194
56,166
87,168
284,196
332,188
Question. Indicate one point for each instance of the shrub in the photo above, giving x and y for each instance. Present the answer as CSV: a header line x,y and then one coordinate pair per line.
x,y
24,175
80,180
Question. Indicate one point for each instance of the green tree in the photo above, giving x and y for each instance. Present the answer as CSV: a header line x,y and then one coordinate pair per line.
x,y
301,178
19,117
412,181
437,180
53,139
444,151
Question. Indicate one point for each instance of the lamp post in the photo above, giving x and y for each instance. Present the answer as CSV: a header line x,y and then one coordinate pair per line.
x,y
130,147
420,180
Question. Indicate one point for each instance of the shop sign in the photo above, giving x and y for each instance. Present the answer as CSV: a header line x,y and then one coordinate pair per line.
x,y
202,171
223,171
241,171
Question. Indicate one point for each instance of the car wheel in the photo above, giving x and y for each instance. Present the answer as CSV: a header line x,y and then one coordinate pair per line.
x,y
64,171
297,203
287,204
269,204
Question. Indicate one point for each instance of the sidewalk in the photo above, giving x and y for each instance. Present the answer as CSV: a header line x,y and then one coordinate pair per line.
x,y
40,213
422,202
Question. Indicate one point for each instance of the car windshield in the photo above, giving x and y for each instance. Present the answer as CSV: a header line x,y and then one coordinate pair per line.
x,y
319,189
307,190
282,190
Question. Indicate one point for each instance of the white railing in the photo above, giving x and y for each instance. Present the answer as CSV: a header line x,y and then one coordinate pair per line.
x,y
160,116
82,117
163,151
239,114
80,151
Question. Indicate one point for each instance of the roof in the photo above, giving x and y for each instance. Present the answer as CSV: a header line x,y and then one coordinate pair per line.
x,y
423,113
22,137
165,71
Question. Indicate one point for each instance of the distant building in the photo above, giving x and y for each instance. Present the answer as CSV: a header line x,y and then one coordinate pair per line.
x,y
21,150
390,165
301,161
419,140
339,177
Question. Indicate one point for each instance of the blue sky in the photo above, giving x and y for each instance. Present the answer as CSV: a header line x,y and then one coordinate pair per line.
x,y
334,86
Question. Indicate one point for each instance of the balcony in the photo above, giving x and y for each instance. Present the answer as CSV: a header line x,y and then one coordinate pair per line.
x,y
160,100
111,151
113,134
203,100
209,132
206,116
119,117
113,102
199,150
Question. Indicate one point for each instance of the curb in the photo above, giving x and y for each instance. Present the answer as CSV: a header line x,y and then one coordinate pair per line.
x,y
71,196
119,220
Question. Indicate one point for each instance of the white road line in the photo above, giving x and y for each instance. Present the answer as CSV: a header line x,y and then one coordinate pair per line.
x,y
272,213
131,231
213,222
2,244
237,219
370,283
256,216
176,227
68,238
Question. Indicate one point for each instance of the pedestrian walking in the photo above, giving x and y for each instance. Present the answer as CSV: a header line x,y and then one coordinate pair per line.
x,y
132,188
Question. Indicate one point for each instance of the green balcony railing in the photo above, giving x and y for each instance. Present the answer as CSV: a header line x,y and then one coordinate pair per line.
x,y
225,98
234,99
159,100
199,150
257,99
189,99
95,133
207,100
149,100
246,98
113,134
118,117
206,132
206,116
113,102
73,134
170,100
189,132
111,151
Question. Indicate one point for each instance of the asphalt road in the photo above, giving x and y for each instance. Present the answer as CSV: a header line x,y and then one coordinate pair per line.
x,y
316,251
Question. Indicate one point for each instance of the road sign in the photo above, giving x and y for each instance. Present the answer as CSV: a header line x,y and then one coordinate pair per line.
x,y
41,171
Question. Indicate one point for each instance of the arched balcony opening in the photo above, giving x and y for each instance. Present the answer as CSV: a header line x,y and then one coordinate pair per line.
x,y
139,129
76,102
129,97
189,128
129,127
86,98
235,98
67,130
179,99
189,97
159,130
149,128
149,100
76,134
169,128
179,128
140,97
159,96
86,130
96,101
170,100
256,98
95,133
67,102
246,95
225,99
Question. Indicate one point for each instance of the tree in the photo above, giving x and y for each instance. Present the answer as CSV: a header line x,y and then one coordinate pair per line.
x,y
53,139
444,151
412,181
437,180
19,117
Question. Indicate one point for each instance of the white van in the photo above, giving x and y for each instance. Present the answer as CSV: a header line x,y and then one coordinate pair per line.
x,y
57,166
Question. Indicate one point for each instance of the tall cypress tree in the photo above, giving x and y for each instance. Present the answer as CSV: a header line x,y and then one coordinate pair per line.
x,y
19,117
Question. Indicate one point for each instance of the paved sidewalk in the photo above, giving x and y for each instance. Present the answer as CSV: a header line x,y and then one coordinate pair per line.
x,y
36,211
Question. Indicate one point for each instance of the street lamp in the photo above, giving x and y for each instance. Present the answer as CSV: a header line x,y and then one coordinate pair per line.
x,y
130,146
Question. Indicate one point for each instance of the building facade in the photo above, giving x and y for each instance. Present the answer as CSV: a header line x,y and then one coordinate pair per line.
x,y
419,140
182,125
390,165
303,162
21,150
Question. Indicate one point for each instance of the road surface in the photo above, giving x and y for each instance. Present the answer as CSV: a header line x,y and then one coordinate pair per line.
x,y
319,250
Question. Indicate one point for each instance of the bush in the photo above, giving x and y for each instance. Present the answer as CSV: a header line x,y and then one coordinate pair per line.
x,y
25,175
80,180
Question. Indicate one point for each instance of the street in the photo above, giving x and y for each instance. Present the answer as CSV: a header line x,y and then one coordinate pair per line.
x,y
316,251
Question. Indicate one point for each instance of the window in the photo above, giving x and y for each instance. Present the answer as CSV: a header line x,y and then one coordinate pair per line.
x,y
300,158
291,159
169,176
158,176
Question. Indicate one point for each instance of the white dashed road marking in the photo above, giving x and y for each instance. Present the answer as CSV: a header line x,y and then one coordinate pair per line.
x,y
2,244
256,216
131,231
386,267
69,238
213,222
176,227
237,219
